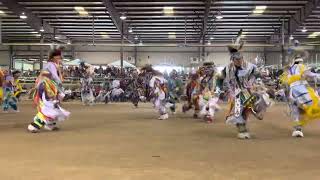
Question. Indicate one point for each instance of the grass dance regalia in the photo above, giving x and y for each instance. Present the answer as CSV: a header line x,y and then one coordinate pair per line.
x,y
237,81
86,82
175,90
304,101
192,94
48,94
158,90
9,99
208,102
198,82
17,85
135,86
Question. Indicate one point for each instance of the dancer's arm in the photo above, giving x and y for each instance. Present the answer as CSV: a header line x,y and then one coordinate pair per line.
x,y
54,73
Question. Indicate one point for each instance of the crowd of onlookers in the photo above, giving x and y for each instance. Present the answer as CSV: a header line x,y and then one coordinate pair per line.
x,y
74,71
106,72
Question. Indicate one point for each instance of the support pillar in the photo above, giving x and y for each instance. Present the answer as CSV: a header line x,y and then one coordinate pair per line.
x,y
41,53
11,63
135,55
121,48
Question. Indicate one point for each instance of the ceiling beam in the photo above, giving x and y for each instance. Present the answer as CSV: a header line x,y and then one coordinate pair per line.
x,y
33,21
301,16
205,19
115,16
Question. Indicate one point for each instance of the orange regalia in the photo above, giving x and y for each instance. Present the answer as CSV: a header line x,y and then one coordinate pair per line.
x,y
193,89
200,80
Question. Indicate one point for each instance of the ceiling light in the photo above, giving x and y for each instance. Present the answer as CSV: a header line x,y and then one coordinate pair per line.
x,y
69,42
83,13
2,12
23,16
314,35
259,9
79,8
304,29
41,29
209,42
130,30
243,34
291,37
211,38
136,38
104,35
219,15
168,10
172,35
123,17
140,43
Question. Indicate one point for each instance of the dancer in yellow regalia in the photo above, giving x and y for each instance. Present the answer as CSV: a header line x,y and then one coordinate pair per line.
x,y
303,99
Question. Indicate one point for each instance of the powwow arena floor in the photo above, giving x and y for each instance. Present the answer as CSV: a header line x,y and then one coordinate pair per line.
x,y
118,142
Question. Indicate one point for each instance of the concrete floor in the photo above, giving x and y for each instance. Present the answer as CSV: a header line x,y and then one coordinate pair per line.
x,y
118,142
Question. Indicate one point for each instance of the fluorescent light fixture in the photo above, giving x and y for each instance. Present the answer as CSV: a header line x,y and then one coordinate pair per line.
x,y
41,29
291,37
56,37
314,35
2,12
23,16
168,10
79,8
243,34
136,38
172,35
304,29
219,15
104,35
130,30
259,9
83,13
34,32
211,38
123,17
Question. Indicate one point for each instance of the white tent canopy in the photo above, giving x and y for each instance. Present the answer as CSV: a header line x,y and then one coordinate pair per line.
x,y
75,62
118,64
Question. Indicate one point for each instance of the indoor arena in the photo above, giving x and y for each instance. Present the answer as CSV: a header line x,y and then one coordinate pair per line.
x,y
161,90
